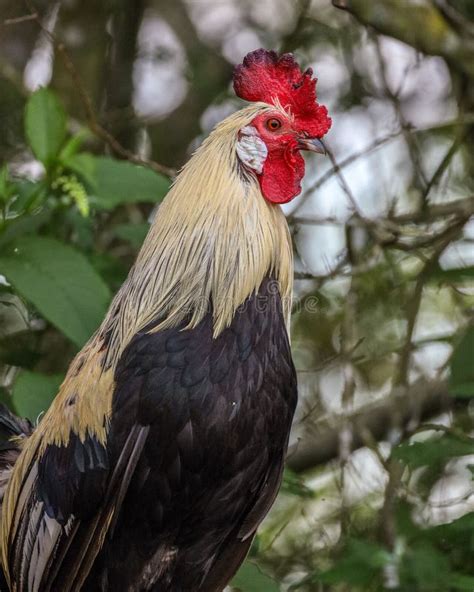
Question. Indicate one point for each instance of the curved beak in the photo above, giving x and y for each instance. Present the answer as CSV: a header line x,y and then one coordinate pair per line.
x,y
313,145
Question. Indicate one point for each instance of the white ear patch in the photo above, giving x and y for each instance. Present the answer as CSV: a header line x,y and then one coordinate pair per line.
x,y
251,149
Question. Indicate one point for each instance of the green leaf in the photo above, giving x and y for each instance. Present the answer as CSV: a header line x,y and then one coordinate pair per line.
x,y
32,393
359,565
59,281
113,182
23,225
5,398
464,390
18,349
295,485
453,275
426,569
112,270
458,581
28,194
85,165
133,233
5,189
458,534
435,450
462,366
45,125
250,578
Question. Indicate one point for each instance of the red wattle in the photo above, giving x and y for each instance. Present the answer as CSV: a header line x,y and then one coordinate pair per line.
x,y
281,176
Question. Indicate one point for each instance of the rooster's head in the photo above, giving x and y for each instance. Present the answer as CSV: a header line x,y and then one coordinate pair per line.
x,y
291,121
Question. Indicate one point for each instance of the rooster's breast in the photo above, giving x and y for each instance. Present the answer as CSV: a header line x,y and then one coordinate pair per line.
x,y
219,413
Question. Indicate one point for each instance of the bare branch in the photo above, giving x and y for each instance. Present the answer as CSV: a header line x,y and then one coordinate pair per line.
x,y
460,208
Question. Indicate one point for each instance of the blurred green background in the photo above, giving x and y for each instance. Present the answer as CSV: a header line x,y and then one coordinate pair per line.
x,y
100,104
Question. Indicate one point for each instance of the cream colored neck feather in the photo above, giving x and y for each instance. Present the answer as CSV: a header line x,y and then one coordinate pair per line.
x,y
214,239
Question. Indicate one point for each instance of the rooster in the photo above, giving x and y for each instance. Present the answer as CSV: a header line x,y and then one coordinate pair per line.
x,y
164,448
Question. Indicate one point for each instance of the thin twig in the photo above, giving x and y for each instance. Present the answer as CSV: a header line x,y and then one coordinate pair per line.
x,y
406,127
462,208
331,273
344,163
459,208
387,513
344,185
21,19
444,164
348,339
415,299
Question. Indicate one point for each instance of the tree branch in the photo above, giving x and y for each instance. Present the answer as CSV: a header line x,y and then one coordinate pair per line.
x,y
126,18
422,400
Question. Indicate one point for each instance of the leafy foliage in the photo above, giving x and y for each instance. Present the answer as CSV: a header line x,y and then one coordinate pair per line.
x,y
49,258
133,233
433,450
40,269
359,565
251,579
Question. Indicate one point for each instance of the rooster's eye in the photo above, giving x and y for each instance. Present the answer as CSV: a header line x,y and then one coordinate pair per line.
x,y
273,124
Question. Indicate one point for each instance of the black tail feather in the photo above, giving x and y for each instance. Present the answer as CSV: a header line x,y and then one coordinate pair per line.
x,y
11,425
13,430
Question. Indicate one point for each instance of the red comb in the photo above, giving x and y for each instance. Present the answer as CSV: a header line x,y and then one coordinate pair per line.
x,y
263,76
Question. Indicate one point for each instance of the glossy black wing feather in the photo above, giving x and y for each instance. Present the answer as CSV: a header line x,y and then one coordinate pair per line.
x,y
72,479
92,533
74,500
